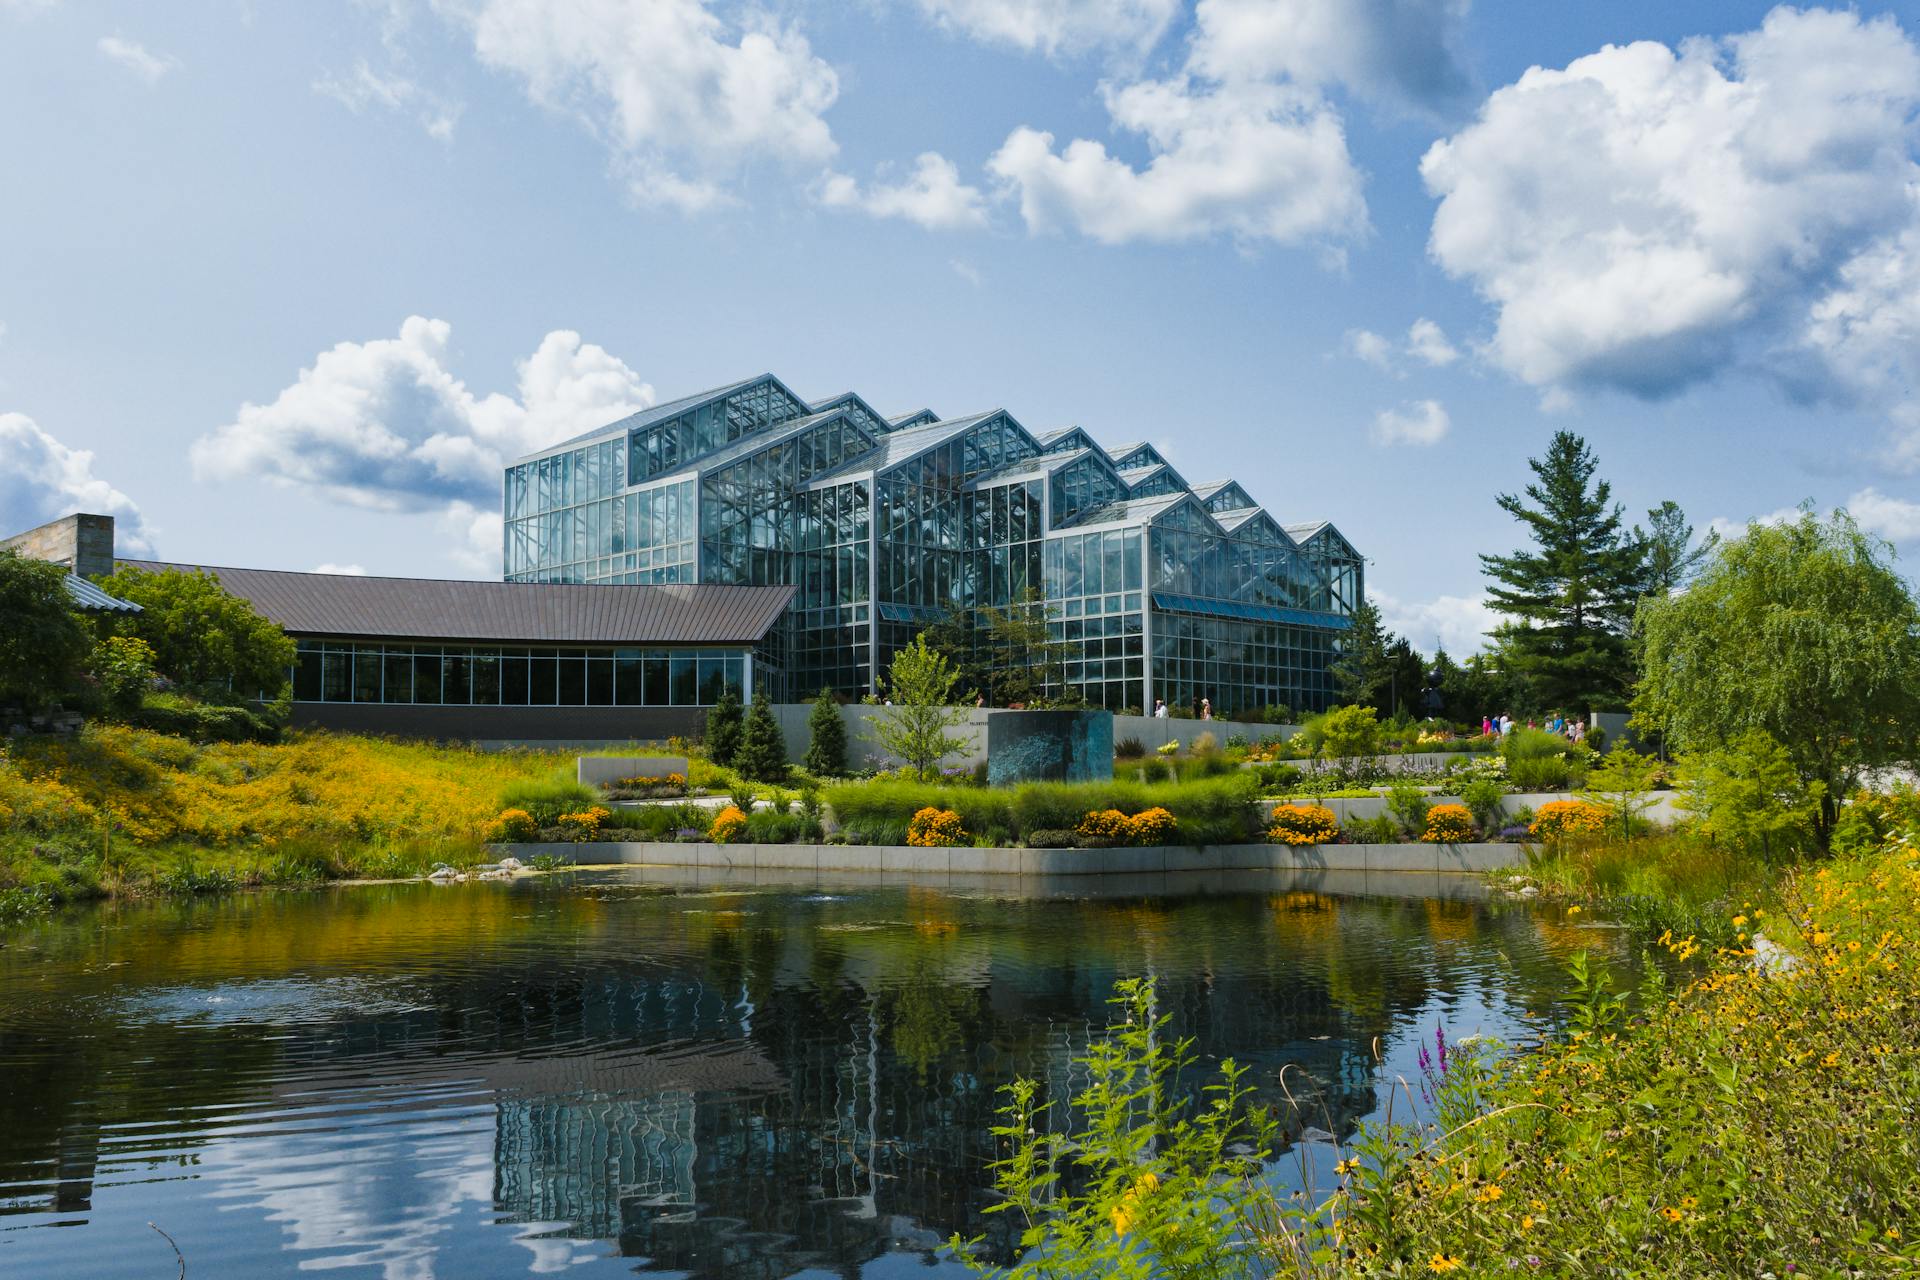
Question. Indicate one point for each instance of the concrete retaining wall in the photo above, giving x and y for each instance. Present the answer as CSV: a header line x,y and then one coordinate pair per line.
x,y
863,749
889,860
1151,731
594,771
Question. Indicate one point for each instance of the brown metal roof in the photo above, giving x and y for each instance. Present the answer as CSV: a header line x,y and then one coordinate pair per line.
x,y
327,604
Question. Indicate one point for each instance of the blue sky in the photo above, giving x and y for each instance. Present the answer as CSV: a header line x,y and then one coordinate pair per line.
x,y
283,284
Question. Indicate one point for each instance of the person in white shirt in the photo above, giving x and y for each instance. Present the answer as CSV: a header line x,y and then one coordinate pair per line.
x,y
1159,708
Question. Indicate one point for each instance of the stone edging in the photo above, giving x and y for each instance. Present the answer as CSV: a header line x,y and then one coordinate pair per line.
x,y
903,859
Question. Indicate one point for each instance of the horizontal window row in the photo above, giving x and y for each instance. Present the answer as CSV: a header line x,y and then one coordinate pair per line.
x,y
339,672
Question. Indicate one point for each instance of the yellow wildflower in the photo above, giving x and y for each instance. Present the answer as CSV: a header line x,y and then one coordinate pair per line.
x,y
1443,1262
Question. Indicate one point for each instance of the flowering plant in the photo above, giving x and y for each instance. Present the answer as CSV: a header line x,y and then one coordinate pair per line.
x,y
1152,826
728,825
1557,819
1168,747
1448,824
932,828
511,827
1107,826
582,826
1303,824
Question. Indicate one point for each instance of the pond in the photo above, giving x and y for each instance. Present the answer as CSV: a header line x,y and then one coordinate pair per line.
x,y
590,1075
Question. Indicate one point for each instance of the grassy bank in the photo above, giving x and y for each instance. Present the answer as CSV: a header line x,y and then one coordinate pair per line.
x,y
1677,882
117,810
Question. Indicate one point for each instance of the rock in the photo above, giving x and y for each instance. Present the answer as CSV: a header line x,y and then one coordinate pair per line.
x,y
1529,891
442,871
1314,1134
1771,958
510,864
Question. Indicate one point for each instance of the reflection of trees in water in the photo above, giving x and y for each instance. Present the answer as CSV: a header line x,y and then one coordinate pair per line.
x,y
761,1082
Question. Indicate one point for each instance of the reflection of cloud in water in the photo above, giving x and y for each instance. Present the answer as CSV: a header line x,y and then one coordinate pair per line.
x,y
358,1194
271,1000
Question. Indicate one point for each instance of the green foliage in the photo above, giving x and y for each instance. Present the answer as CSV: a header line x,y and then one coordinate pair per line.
x,y
1621,783
187,717
547,798
1482,796
1342,734
763,749
1377,668
1804,630
826,738
1407,805
1748,792
1212,811
1379,829
201,636
1134,1179
123,667
920,682
1671,557
722,742
43,642
1569,599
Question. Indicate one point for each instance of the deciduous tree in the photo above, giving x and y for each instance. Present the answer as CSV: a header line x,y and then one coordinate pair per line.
x,y
920,685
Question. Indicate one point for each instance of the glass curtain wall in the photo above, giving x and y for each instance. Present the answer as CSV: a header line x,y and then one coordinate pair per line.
x,y
514,675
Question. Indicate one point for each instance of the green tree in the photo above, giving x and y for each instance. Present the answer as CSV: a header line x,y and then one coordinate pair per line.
x,y
201,636
43,642
1622,783
1748,793
1024,664
1363,663
1569,599
723,727
920,685
763,750
826,738
1802,629
123,667
1670,557
1343,734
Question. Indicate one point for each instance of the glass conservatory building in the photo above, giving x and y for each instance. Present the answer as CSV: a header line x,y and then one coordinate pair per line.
x,y
1159,588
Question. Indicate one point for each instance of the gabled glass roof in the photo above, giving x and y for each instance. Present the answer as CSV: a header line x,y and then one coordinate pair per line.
x,y
897,447
1135,454
1223,495
748,445
1066,440
660,413
918,418
1178,509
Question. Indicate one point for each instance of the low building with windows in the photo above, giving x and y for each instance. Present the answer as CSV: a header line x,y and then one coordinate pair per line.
x,y
1159,588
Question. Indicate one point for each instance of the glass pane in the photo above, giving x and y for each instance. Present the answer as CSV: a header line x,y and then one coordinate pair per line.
x,y
426,678
456,679
306,676
712,679
656,680
399,671
599,682
686,680
366,675
540,682
629,691
571,673
486,679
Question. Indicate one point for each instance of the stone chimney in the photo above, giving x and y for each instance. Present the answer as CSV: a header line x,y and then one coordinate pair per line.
x,y
83,543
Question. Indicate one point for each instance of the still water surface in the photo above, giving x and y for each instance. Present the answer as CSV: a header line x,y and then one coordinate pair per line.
x,y
592,1077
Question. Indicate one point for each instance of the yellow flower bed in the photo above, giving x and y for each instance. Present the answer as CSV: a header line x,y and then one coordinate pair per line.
x,y
1448,824
1558,818
582,826
1109,825
932,828
513,826
1152,826
728,825
1303,824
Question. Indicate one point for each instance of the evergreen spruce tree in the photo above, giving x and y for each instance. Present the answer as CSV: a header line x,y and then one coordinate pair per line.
x,y
1378,669
1672,559
763,752
723,728
1570,598
826,738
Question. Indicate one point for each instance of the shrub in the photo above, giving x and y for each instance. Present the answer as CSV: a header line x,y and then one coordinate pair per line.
x,y
1448,824
826,738
582,826
1153,826
1541,773
203,722
728,825
513,826
1050,839
1156,770
546,799
932,828
763,751
1104,829
741,797
1129,749
1279,777
1482,797
1379,829
723,728
1169,747
1303,824
1557,819
1408,805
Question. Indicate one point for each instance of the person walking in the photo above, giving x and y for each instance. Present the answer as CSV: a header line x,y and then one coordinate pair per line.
x,y
1486,726
1159,708
1206,708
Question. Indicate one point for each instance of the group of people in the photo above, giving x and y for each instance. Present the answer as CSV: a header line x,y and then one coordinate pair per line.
x,y
1202,709
1572,728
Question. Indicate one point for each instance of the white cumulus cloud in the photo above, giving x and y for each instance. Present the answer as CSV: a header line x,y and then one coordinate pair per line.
x,y
1647,218
1253,162
931,196
1895,519
1458,623
1427,343
43,480
1056,26
366,88
1368,346
1405,53
386,424
1419,422
681,97
147,66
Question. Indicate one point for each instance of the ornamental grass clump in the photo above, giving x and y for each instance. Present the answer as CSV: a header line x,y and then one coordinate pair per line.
x,y
932,828
1448,824
728,825
1558,819
1303,824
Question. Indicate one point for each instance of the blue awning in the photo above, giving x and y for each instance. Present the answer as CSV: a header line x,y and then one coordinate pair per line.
x,y
1249,612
